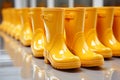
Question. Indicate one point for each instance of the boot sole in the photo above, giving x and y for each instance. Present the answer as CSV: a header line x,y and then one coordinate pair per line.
x,y
105,55
116,54
92,63
61,65
26,43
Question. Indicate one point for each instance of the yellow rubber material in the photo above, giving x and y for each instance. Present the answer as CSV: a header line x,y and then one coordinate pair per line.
x,y
26,31
104,29
91,35
37,43
56,51
75,39
116,23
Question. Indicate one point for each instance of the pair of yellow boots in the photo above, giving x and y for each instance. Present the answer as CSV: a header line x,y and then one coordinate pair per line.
x,y
68,38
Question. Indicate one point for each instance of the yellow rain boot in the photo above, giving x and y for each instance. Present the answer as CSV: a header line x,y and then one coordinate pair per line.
x,y
26,32
18,24
75,39
91,35
116,23
104,29
56,51
37,43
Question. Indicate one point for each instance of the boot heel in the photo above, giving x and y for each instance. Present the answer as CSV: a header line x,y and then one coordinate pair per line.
x,y
46,60
45,57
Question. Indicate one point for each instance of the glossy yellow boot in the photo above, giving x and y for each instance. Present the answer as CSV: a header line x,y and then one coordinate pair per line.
x,y
116,23
91,35
104,30
18,24
56,51
75,39
37,43
26,32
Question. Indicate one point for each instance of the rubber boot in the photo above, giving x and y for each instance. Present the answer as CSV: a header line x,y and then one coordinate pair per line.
x,y
56,51
26,32
116,23
18,24
104,30
91,35
37,43
75,39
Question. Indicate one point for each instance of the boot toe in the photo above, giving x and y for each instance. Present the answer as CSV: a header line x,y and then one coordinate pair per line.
x,y
97,57
105,52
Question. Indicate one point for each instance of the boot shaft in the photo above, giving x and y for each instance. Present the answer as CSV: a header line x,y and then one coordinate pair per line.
x,y
105,18
18,16
8,16
116,17
53,24
90,19
26,17
36,18
15,17
4,16
116,11
116,22
53,18
74,21
104,25
90,27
